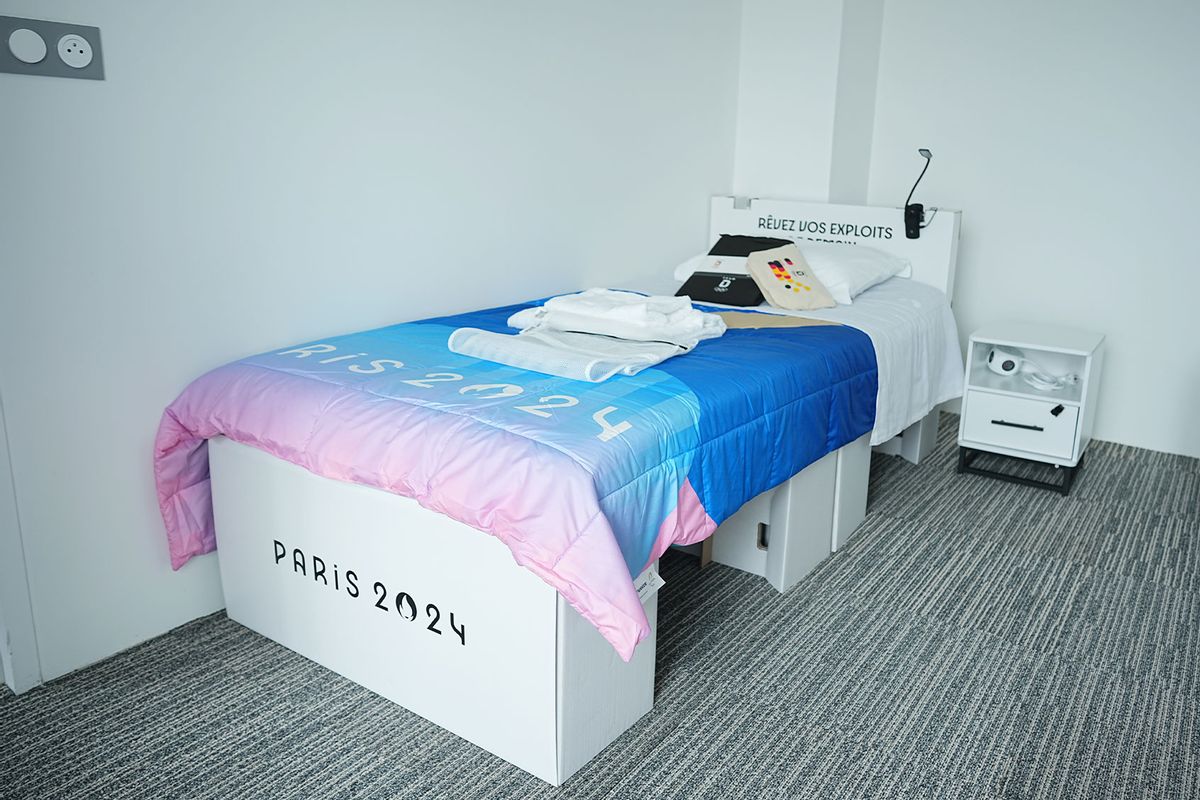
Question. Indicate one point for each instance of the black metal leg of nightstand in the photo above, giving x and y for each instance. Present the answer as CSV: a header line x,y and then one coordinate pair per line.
x,y
1069,478
966,455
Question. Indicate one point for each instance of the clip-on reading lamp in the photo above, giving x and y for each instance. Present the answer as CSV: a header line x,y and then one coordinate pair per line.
x,y
914,213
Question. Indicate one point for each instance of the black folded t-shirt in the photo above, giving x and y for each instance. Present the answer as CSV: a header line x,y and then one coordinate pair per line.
x,y
742,246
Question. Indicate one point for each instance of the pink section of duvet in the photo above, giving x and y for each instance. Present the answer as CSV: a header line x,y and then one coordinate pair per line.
x,y
535,499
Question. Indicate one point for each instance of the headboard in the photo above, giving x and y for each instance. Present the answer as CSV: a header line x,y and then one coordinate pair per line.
x,y
933,256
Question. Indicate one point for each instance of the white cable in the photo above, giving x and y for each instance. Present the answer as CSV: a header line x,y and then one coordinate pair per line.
x,y
1037,377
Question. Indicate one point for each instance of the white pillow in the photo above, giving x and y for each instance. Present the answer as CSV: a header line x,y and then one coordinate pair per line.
x,y
848,270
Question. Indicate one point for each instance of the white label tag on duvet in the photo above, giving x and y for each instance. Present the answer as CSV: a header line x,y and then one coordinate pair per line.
x,y
648,583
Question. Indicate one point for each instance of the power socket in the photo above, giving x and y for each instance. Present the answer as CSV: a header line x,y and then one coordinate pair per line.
x,y
52,49
75,51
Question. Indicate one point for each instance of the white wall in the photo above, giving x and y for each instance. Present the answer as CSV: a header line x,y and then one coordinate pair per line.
x,y
1064,131
255,174
1067,133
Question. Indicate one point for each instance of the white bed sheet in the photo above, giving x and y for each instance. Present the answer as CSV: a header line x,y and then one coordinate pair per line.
x,y
916,347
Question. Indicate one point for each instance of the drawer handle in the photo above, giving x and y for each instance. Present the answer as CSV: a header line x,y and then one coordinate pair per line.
x,y
1020,425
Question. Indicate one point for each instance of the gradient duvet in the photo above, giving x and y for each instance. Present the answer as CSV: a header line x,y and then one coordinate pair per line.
x,y
585,483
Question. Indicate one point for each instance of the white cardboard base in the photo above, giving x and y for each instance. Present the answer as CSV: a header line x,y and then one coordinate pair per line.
x,y
914,442
426,611
784,533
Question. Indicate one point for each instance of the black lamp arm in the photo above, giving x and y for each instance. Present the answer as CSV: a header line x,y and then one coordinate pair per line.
x,y
928,157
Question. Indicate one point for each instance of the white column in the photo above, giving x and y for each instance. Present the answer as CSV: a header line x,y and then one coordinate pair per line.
x,y
806,100
18,644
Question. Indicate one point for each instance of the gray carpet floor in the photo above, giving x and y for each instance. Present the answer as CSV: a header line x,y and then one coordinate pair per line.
x,y
975,639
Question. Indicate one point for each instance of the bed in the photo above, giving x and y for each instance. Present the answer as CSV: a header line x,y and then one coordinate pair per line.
x,y
536,643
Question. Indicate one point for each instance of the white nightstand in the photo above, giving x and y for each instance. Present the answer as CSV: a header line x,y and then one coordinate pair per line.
x,y
1005,414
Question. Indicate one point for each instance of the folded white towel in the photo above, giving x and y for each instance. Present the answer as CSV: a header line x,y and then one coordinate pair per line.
x,y
625,315
579,356
593,335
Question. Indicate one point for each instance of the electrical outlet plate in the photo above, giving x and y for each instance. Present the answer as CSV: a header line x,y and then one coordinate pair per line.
x,y
72,51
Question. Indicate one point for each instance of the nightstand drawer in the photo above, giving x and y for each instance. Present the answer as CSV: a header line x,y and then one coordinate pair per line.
x,y
1020,423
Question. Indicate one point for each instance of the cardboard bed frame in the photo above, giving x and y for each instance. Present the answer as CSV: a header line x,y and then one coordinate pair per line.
x,y
437,617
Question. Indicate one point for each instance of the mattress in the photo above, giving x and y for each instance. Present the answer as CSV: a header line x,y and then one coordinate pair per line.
x,y
585,483
915,337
